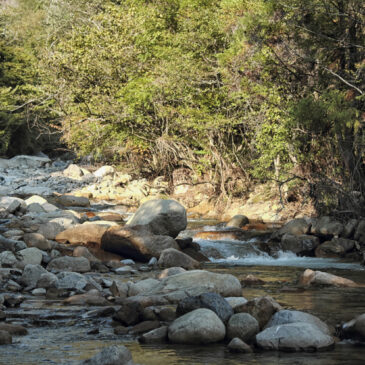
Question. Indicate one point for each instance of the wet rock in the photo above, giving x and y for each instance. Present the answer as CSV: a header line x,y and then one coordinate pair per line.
x,y
82,233
243,326
31,275
130,313
13,329
73,201
170,272
142,286
197,282
195,254
238,346
199,326
354,329
299,244
5,338
112,355
294,337
164,217
212,301
310,277
238,221
68,263
37,240
172,258
31,255
92,297
158,335
291,316
136,242
262,308
144,326
296,227
327,226
335,248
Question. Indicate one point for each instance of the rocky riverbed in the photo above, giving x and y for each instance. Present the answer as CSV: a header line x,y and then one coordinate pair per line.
x,y
66,262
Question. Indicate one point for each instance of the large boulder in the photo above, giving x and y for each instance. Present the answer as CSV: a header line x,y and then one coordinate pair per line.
x,y
197,282
297,227
327,227
335,248
299,244
112,355
68,263
174,258
243,326
164,217
291,316
82,233
199,326
310,277
212,301
297,336
136,242
354,329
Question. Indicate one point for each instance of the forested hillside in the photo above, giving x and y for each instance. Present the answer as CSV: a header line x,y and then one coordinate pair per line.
x,y
237,90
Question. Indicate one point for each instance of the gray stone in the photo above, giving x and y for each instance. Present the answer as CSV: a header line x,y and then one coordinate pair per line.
x,y
67,263
212,301
142,286
158,335
82,251
297,227
327,226
47,280
112,355
164,217
5,338
235,302
73,201
243,326
31,275
237,345
355,329
71,281
7,259
294,337
74,172
39,291
31,255
350,228
199,326
170,272
335,248
360,232
171,257
55,226
197,282
291,316
28,161
299,244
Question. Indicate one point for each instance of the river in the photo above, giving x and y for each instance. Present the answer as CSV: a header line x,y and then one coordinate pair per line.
x,y
65,335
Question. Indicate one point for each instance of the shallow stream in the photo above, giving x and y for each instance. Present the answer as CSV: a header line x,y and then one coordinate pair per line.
x,y
61,335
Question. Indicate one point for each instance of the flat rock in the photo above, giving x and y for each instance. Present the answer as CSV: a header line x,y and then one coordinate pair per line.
x,y
67,263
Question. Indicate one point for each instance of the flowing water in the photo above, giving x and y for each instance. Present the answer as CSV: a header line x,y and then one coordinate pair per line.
x,y
61,335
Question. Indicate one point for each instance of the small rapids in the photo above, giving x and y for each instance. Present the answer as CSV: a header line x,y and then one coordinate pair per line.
x,y
246,253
